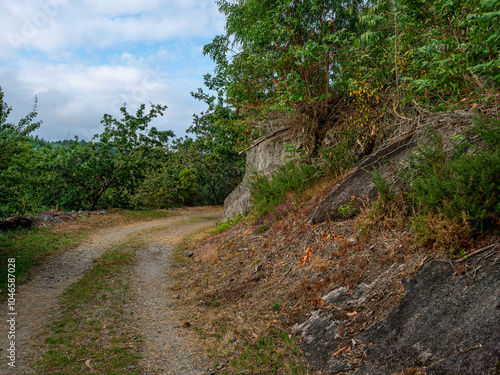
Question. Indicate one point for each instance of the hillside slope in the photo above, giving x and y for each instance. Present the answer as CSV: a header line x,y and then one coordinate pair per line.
x,y
359,295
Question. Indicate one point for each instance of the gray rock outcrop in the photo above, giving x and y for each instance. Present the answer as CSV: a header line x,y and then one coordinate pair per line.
x,y
358,183
391,155
446,323
263,158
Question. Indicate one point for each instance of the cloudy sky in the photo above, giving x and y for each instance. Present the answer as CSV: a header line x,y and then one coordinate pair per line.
x,y
84,58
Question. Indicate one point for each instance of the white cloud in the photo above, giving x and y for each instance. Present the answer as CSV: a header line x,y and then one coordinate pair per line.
x,y
51,25
86,58
73,98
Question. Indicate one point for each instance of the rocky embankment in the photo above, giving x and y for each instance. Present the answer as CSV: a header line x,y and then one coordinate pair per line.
x,y
44,219
381,303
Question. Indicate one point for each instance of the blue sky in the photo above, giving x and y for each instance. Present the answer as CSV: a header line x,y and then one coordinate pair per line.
x,y
85,58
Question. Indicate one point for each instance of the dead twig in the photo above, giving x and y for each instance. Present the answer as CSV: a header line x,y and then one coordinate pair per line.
x,y
478,251
420,108
285,275
458,351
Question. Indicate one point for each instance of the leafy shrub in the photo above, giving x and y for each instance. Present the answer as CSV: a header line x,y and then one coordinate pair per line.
x,y
228,223
385,189
347,209
270,192
465,186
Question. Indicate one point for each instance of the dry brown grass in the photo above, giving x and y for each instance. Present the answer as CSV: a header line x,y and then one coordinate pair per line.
x,y
319,264
441,232
381,215
207,253
250,286
412,371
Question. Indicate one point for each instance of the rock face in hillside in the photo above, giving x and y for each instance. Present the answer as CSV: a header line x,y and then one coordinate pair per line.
x,y
263,158
389,157
358,183
446,323
267,155
238,202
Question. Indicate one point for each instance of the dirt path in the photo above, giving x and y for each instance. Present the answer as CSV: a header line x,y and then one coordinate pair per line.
x,y
37,299
166,350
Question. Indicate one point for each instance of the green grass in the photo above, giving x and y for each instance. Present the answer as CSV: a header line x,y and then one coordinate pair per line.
x,y
228,223
28,247
269,192
94,329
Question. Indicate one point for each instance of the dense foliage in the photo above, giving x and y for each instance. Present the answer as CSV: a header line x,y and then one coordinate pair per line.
x,y
130,164
351,66
357,64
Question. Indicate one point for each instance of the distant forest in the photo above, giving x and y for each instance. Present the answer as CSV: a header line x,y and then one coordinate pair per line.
x,y
129,165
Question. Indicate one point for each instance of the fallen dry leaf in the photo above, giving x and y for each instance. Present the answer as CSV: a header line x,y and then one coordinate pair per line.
x,y
307,256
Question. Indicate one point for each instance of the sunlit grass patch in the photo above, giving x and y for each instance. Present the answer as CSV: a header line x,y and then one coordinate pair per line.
x,y
28,247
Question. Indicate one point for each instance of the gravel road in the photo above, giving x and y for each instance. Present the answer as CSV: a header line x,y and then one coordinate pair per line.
x,y
165,348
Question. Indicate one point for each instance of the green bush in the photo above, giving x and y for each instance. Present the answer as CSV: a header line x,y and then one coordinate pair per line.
x,y
269,192
385,189
464,187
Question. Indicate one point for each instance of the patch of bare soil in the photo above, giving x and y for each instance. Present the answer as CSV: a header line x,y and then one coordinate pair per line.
x,y
167,348
37,298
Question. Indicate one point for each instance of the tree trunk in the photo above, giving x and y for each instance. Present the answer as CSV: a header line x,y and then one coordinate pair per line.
x,y
212,187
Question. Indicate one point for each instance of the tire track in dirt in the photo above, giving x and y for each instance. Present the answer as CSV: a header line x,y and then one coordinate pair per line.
x,y
167,348
37,298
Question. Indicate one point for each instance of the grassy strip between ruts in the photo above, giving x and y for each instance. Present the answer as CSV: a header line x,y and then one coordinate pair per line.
x,y
95,332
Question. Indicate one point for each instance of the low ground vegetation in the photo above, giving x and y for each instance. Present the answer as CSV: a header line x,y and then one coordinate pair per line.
x,y
94,331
